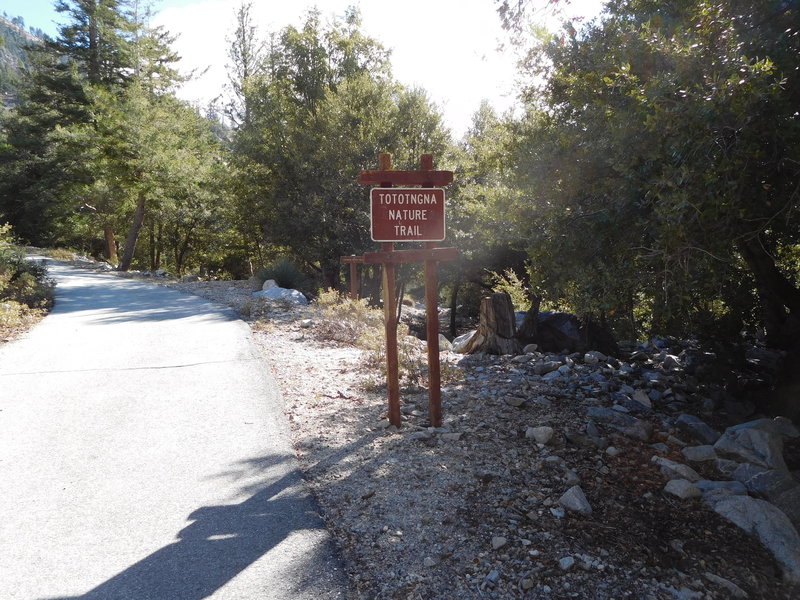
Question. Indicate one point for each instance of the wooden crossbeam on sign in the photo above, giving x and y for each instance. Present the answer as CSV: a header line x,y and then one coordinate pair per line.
x,y
426,176
407,256
404,178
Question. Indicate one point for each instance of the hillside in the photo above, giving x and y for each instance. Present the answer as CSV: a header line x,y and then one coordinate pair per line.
x,y
14,40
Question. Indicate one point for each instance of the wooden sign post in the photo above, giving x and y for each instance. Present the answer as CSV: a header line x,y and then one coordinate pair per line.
x,y
407,215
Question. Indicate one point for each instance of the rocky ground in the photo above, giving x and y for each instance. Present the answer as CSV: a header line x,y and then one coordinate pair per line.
x,y
553,477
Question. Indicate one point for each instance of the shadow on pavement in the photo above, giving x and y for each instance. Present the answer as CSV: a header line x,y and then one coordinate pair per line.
x,y
222,541
117,300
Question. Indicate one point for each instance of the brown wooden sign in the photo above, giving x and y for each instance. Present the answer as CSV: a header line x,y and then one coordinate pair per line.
x,y
407,214
389,258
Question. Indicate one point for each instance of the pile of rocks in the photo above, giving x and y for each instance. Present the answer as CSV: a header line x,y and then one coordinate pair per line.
x,y
754,488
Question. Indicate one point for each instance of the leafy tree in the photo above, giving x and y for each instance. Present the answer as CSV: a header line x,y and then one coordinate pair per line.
x,y
246,55
98,38
323,108
53,135
479,216
43,158
102,144
660,163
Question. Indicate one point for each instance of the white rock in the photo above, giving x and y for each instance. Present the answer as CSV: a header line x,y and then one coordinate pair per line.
x,y
729,488
778,425
543,368
682,489
498,542
278,293
575,500
675,470
734,590
699,453
566,563
642,398
460,343
542,434
593,357
756,446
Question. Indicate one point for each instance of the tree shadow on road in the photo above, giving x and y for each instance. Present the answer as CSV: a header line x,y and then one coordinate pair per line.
x,y
223,541
150,303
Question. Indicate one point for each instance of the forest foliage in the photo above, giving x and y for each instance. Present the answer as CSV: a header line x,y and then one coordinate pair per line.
x,y
651,181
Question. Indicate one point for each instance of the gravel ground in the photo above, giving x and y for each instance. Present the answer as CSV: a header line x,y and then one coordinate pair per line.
x,y
474,509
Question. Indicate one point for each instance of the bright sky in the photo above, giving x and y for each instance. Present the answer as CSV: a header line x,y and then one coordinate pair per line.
x,y
447,47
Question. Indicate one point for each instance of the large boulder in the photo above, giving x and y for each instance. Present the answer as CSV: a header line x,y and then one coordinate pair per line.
x,y
279,293
768,523
774,485
557,331
753,444
696,429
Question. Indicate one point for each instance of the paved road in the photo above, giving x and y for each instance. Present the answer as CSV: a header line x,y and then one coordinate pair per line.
x,y
143,456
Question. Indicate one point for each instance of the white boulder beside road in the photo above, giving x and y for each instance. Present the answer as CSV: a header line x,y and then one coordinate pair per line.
x,y
272,291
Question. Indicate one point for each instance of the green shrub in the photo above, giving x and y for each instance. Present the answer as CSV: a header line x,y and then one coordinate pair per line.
x,y
24,285
345,320
511,284
353,322
286,274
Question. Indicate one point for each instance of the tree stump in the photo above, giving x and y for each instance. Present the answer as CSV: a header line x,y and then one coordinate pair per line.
x,y
497,327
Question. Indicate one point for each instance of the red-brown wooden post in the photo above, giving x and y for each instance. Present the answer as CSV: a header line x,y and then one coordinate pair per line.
x,y
353,281
390,317
353,261
432,322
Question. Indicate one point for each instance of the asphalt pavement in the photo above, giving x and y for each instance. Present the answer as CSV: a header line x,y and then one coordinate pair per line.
x,y
144,456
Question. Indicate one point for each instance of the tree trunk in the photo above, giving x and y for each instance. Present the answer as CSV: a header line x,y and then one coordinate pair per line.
x,y
111,246
151,230
780,300
497,328
453,307
330,275
180,254
159,237
529,332
133,235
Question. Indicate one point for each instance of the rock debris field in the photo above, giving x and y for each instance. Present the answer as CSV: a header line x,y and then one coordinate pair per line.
x,y
554,476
